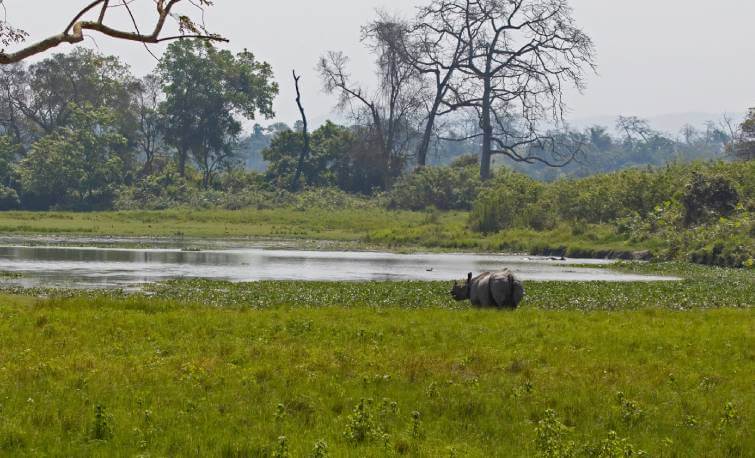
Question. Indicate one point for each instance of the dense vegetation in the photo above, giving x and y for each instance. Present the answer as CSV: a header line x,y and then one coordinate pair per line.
x,y
80,132
381,368
695,212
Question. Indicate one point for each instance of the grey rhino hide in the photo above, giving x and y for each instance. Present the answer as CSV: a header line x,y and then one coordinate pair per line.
x,y
479,292
497,289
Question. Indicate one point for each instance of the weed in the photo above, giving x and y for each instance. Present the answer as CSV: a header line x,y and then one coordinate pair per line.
x,y
102,429
613,447
630,411
360,426
281,450
552,437
320,450
415,430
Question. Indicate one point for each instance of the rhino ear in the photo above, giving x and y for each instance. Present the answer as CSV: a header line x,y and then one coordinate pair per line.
x,y
469,277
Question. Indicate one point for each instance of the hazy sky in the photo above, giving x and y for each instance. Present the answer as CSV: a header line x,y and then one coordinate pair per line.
x,y
654,56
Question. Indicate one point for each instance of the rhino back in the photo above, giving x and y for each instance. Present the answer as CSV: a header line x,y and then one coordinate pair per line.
x,y
501,284
480,291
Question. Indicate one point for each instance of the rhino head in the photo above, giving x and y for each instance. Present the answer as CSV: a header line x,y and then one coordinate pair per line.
x,y
461,292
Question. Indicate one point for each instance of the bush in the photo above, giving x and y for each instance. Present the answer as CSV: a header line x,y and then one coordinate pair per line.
x,y
445,188
8,199
707,197
511,200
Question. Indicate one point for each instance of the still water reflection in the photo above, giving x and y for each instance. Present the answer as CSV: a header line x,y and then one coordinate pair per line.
x,y
109,267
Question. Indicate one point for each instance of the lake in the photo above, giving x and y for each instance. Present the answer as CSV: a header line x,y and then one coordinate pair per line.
x,y
87,267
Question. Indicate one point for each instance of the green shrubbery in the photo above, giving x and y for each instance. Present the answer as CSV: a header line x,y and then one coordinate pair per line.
x,y
699,212
445,188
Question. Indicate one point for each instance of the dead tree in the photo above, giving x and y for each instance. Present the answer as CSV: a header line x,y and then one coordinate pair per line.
x,y
149,129
305,151
519,56
425,46
390,112
97,12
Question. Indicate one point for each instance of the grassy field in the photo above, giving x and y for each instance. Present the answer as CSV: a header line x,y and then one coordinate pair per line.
x,y
380,369
370,227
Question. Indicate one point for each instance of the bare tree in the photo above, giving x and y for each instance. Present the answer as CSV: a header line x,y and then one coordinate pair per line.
x,y
634,128
390,112
305,133
92,18
519,57
430,47
149,128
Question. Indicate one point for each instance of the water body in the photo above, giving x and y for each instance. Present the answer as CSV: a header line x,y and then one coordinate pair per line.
x,y
57,267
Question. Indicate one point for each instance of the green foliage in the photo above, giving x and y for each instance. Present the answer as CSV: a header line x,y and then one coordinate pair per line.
x,y
444,188
102,429
707,197
699,212
60,85
551,437
205,89
8,199
77,166
9,152
613,447
511,200
360,426
327,162
320,450
743,148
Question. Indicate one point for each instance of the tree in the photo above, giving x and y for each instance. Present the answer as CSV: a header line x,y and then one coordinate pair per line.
x,y
389,114
743,147
305,150
705,197
39,99
93,17
519,56
327,164
150,121
206,91
434,49
77,166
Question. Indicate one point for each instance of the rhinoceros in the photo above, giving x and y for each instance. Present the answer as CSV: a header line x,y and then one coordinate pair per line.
x,y
491,289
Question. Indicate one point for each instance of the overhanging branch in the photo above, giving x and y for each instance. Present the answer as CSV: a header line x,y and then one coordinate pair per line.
x,y
74,32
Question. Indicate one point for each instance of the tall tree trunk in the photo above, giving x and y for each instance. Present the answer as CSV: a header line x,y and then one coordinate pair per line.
x,y
182,163
487,132
305,132
424,147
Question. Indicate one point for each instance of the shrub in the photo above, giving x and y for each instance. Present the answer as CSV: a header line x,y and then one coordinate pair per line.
x,y
445,188
510,200
706,197
8,199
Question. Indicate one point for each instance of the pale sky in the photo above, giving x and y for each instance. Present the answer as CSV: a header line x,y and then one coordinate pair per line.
x,y
655,56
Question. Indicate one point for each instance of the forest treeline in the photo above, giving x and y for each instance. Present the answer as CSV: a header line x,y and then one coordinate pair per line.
x,y
81,132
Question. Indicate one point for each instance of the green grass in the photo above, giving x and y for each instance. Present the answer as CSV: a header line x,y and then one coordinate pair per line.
x,y
214,369
364,228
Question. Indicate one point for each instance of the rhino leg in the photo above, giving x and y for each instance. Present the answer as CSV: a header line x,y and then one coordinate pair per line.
x,y
518,293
